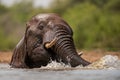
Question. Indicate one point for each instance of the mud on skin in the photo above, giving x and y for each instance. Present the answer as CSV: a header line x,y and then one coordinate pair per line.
x,y
47,37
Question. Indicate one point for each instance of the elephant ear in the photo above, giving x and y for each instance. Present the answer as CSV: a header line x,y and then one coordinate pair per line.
x,y
19,56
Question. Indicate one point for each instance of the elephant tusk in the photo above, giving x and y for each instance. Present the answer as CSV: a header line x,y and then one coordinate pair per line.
x,y
80,53
50,44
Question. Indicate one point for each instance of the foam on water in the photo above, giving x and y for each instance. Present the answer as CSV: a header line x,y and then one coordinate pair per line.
x,y
106,62
56,66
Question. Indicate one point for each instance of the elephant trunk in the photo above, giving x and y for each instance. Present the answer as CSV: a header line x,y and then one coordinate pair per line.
x,y
65,49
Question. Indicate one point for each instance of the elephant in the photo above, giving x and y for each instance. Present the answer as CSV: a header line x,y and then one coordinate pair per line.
x,y
47,37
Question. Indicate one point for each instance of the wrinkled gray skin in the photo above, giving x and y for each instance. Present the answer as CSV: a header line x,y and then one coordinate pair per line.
x,y
31,52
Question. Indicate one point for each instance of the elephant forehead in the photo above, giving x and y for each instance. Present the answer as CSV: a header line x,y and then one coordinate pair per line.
x,y
49,16
42,16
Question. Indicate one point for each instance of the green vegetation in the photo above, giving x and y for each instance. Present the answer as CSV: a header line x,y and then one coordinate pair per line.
x,y
96,23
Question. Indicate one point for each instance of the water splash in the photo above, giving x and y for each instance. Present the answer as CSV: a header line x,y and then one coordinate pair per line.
x,y
106,62
56,66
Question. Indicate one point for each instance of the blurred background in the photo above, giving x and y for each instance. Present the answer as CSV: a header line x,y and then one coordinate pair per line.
x,y
95,23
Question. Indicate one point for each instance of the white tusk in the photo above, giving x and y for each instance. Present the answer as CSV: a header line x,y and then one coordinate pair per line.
x,y
50,44
80,53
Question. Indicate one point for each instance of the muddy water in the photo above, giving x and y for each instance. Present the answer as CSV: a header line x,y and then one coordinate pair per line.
x,y
107,68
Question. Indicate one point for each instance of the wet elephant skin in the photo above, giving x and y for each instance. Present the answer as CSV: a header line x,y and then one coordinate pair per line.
x,y
47,37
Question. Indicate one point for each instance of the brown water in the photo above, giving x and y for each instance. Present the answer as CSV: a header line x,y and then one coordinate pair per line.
x,y
107,68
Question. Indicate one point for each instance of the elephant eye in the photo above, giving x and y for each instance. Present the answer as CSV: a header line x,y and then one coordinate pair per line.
x,y
41,26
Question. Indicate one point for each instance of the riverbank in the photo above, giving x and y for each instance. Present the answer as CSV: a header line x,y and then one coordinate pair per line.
x,y
91,56
5,57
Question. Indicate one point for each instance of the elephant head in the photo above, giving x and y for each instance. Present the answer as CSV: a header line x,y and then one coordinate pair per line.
x,y
47,37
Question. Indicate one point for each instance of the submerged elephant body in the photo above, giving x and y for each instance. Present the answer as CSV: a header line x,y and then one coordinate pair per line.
x,y
47,37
